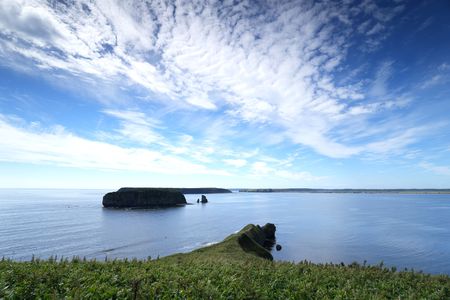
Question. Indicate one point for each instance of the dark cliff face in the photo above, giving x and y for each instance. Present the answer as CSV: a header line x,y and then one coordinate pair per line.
x,y
143,198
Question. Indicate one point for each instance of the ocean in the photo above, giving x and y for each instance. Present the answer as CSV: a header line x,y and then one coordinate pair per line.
x,y
401,230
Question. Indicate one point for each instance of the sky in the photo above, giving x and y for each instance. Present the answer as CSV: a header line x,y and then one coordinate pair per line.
x,y
274,94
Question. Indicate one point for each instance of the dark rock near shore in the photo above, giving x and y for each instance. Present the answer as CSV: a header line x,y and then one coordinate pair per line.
x,y
278,247
204,200
258,240
269,230
143,198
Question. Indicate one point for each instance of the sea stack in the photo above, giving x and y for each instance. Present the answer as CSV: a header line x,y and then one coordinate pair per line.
x,y
204,200
143,198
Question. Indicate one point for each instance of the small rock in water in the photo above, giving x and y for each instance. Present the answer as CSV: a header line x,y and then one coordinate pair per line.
x,y
278,247
204,200
198,200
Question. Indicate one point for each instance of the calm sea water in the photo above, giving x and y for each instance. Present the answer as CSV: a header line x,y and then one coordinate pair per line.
x,y
407,231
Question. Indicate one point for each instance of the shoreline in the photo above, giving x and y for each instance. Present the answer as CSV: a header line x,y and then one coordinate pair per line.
x,y
235,268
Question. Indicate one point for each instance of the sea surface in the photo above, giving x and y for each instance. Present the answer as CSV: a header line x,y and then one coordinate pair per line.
x,y
406,231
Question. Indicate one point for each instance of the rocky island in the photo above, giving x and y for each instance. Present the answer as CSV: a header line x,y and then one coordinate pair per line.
x,y
144,198
128,197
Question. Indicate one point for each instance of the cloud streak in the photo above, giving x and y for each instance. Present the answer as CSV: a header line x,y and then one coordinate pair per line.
x,y
25,143
439,170
31,143
136,126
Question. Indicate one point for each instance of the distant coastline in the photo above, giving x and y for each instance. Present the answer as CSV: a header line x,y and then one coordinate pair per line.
x,y
349,191
201,190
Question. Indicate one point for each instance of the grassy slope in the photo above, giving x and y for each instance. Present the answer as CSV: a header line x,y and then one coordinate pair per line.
x,y
223,271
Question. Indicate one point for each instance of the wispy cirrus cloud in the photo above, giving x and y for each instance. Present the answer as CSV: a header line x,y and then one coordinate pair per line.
x,y
435,80
437,169
136,126
273,64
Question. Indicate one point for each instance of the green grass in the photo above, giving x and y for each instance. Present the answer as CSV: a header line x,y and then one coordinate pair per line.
x,y
221,271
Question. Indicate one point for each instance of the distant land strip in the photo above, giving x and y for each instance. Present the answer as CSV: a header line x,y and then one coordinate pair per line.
x,y
348,191
207,190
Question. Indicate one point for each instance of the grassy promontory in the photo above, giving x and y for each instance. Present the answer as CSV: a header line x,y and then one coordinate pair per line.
x,y
221,271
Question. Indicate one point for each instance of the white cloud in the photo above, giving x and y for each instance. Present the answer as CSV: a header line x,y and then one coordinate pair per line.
x,y
24,144
302,176
379,85
136,126
274,69
136,117
186,138
444,67
433,81
100,39
235,162
440,76
375,29
379,106
262,169
254,110
439,170
201,101
32,22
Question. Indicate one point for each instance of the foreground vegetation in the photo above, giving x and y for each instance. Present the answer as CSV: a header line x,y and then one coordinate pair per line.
x,y
221,271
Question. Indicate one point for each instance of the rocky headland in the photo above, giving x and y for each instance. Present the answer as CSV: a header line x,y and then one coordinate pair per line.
x,y
251,241
239,267
258,240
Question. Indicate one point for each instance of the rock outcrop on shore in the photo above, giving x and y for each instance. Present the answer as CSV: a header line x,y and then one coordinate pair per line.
x,y
258,240
143,198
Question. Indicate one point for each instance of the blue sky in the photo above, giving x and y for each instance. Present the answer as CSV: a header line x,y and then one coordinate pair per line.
x,y
332,94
